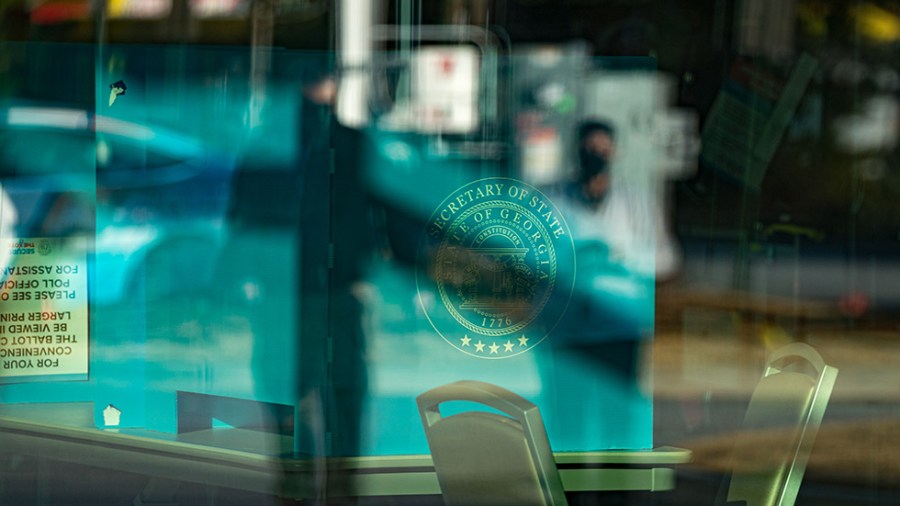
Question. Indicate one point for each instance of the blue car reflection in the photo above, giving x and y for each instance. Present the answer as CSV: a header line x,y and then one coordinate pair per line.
x,y
153,197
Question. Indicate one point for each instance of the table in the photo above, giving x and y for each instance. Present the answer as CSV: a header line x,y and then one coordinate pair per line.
x,y
257,462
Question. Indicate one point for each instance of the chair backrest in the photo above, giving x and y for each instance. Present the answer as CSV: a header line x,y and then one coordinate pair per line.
x,y
486,458
780,426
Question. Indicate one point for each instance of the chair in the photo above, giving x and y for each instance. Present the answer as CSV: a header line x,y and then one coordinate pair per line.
x,y
485,458
780,426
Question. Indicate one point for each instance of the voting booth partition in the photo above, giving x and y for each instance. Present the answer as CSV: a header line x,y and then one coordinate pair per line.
x,y
242,260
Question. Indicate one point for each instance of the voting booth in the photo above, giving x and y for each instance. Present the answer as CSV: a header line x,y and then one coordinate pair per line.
x,y
223,254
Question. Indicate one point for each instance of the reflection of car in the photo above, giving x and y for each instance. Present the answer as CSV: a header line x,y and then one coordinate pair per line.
x,y
150,194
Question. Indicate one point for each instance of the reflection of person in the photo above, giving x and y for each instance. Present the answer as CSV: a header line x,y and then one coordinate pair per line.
x,y
611,222
602,209
596,147
333,254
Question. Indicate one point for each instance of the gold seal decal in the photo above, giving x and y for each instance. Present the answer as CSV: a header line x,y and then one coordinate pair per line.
x,y
497,261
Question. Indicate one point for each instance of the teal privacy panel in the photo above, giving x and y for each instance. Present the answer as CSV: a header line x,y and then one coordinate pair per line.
x,y
218,284
181,274
213,230
470,288
48,186
573,346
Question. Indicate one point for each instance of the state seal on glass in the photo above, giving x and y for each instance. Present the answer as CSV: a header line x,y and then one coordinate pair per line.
x,y
497,263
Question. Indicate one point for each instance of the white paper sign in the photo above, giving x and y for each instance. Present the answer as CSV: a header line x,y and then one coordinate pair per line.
x,y
43,309
445,92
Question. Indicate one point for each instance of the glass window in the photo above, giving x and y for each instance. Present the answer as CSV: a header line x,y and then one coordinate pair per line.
x,y
240,239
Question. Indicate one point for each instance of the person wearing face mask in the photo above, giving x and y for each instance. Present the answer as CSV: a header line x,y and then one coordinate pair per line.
x,y
596,146
612,221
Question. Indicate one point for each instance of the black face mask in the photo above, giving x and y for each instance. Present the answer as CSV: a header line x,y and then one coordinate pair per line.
x,y
592,164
